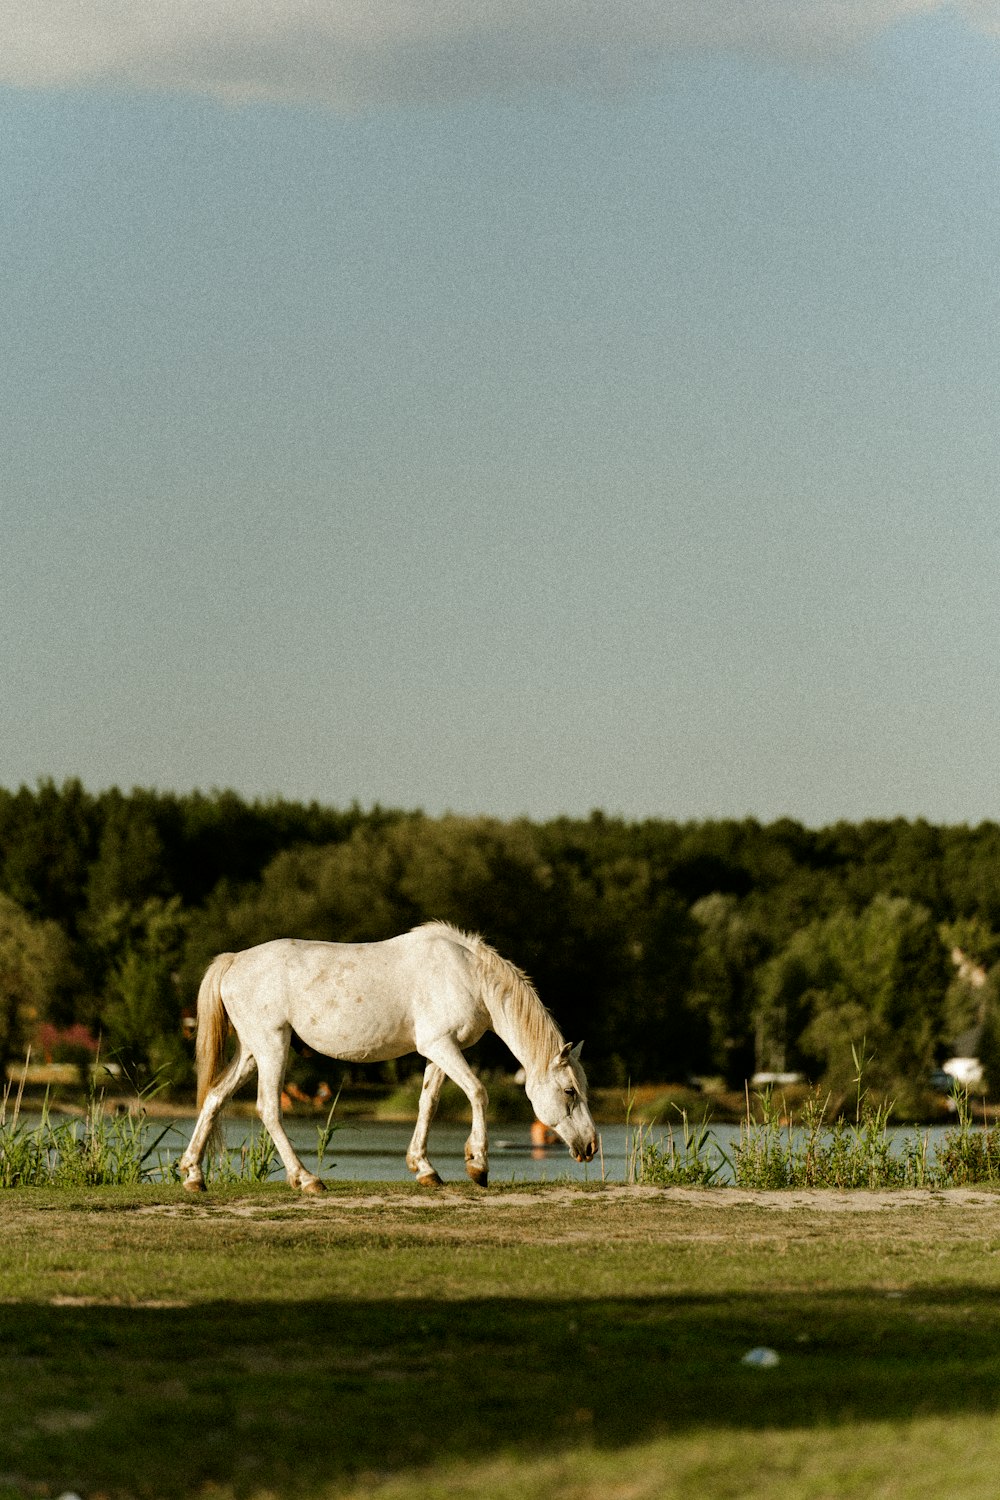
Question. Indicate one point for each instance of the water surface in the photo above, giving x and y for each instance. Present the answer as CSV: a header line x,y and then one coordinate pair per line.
x,y
375,1151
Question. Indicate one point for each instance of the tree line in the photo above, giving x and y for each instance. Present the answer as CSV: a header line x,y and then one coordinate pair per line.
x,y
677,950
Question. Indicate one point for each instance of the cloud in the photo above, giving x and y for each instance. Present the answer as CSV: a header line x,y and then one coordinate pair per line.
x,y
357,54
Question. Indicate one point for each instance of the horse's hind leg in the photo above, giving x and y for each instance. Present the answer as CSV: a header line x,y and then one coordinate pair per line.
x,y
270,1073
416,1156
450,1058
239,1070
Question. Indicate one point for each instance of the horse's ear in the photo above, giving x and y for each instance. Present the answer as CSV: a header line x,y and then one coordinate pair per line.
x,y
575,1054
563,1055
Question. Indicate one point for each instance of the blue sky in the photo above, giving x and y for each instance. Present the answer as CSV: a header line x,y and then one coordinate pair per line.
x,y
489,407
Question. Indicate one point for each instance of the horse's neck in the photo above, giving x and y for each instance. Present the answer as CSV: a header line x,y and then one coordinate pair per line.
x,y
512,1037
516,1033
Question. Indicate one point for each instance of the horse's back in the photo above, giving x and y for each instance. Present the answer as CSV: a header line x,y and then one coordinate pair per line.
x,y
357,1001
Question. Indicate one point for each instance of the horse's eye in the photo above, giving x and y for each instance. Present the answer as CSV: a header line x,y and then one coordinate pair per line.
x,y
570,1093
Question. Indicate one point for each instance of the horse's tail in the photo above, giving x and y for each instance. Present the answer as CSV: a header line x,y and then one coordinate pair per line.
x,y
213,1031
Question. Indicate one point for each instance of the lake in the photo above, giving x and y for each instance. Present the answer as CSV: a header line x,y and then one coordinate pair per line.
x,y
375,1151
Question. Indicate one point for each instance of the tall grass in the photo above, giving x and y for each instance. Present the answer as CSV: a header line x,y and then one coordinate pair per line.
x,y
970,1153
772,1153
98,1148
820,1152
687,1156
93,1149
816,1154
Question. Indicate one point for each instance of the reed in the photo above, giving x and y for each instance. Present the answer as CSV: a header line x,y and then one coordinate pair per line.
x,y
92,1149
771,1153
818,1151
970,1153
102,1148
687,1156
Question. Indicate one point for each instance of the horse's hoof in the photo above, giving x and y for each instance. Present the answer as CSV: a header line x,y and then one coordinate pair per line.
x,y
313,1185
479,1175
430,1179
193,1185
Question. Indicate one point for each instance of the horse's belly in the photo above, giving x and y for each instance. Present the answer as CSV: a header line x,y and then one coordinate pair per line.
x,y
348,1023
379,1049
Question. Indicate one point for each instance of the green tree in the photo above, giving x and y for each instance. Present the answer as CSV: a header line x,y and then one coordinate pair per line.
x,y
128,866
46,843
974,949
731,946
988,1020
637,939
878,976
140,1009
32,964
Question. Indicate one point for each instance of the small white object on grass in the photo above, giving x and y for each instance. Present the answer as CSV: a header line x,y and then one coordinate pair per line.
x,y
761,1358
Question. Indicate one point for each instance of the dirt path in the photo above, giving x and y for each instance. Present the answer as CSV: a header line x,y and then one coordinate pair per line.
x,y
819,1200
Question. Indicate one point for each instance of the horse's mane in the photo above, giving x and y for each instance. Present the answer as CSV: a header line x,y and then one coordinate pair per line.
x,y
507,992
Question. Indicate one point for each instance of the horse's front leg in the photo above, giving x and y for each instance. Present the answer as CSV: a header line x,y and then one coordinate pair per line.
x,y
449,1056
416,1156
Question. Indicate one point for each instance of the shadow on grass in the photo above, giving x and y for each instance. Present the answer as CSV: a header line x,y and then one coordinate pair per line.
x,y
288,1396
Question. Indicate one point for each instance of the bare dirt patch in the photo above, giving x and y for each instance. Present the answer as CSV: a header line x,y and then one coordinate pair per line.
x,y
819,1200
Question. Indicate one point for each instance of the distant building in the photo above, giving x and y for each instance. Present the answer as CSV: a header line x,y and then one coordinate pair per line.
x,y
965,1066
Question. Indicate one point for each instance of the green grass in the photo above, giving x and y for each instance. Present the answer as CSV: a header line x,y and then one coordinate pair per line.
x,y
542,1341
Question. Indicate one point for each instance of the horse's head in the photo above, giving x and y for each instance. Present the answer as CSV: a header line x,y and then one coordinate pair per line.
x,y
559,1097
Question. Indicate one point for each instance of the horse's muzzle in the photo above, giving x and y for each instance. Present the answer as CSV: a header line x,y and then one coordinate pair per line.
x,y
589,1151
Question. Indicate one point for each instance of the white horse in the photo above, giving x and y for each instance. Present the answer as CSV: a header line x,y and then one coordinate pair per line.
x,y
434,991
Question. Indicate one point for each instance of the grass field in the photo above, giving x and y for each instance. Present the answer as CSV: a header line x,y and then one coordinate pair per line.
x,y
537,1342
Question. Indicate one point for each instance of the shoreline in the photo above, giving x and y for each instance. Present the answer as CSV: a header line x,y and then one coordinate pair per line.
x,y
32,1100
660,1106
